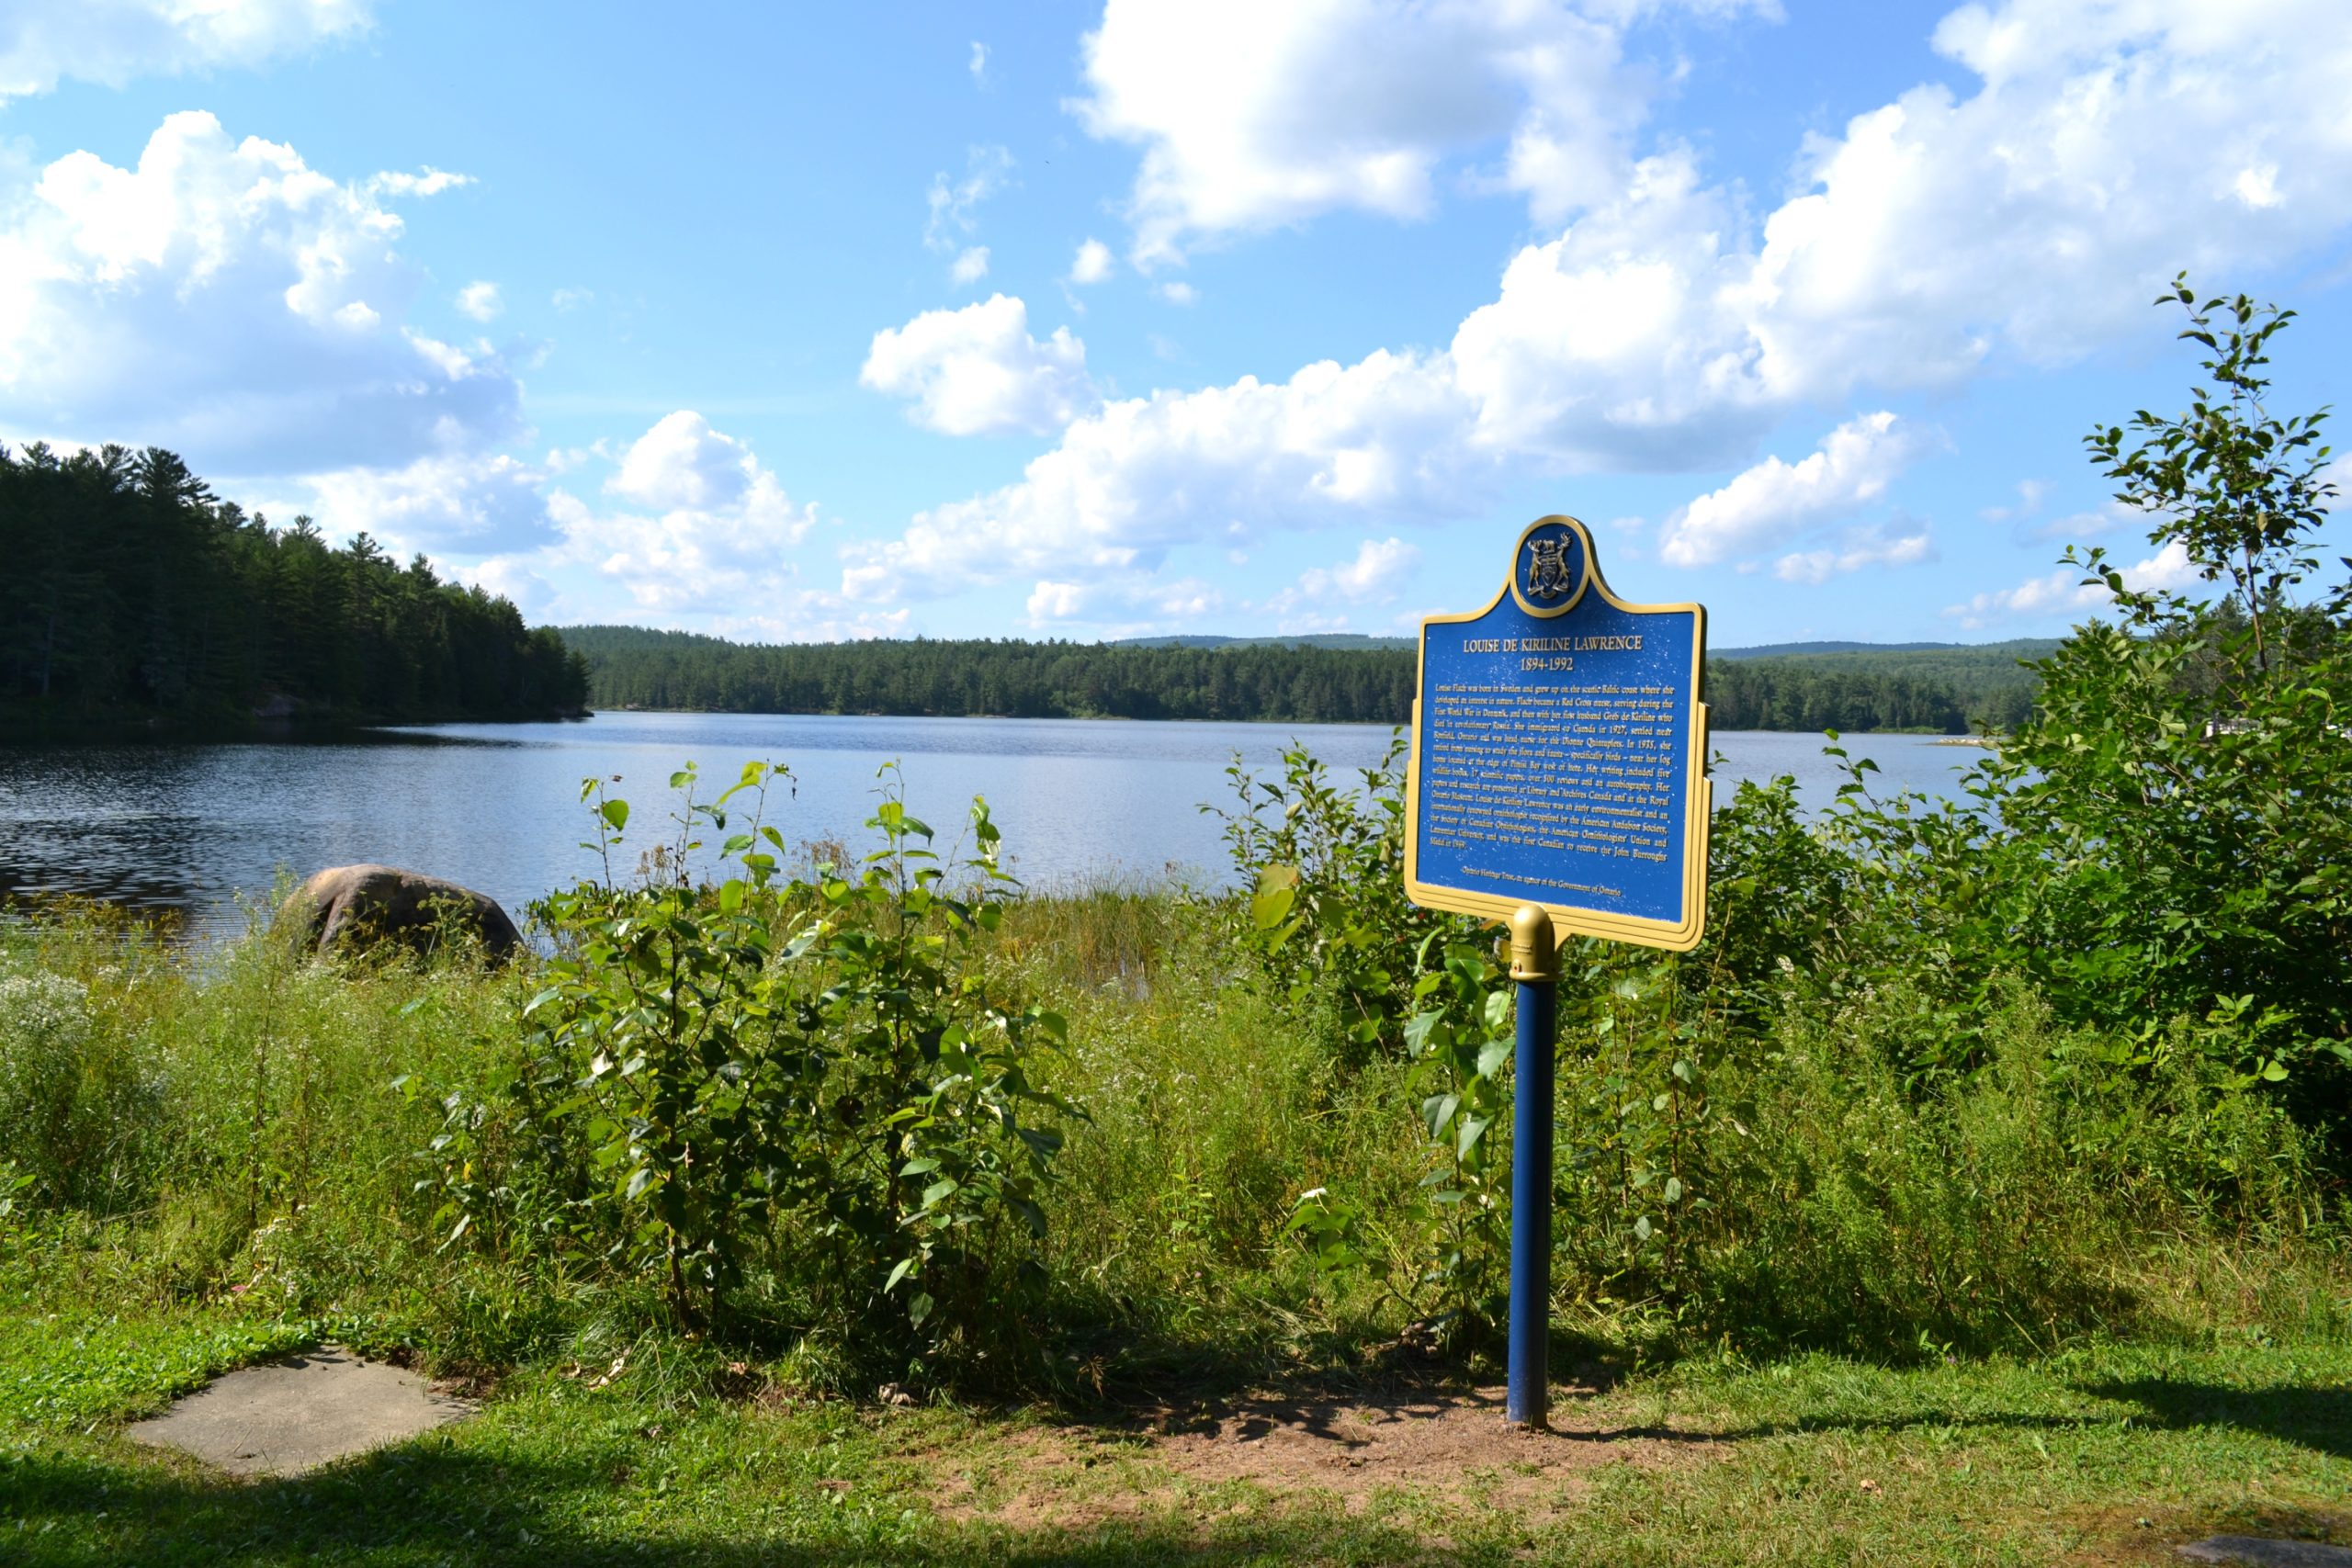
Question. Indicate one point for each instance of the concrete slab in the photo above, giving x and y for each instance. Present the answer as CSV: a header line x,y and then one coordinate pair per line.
x,y
2267,1553
298,1413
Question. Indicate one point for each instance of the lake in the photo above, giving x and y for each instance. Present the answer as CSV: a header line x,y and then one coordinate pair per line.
x,y
198,827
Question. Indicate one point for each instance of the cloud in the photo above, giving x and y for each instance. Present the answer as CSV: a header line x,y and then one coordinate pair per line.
x,y
1178,292
572,298
2067,593
513,580
1876,545
1379,569
1137,477
683,464
480,302
977,371
1093,263
704,529
971,265
1673,324
110,42
1135,605
954,205
1775,500
1253,117
427,181
978,63
464,504
224,298
2031,493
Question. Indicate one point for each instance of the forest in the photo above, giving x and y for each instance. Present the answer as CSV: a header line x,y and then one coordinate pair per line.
x,y
1946,691
133,593
631,667
1950,691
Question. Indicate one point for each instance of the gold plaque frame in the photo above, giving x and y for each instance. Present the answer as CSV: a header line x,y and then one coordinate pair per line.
x,y
1698,797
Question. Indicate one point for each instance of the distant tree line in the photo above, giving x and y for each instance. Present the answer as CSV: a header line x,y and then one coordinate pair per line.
x,y
632,667
128,589
1942,691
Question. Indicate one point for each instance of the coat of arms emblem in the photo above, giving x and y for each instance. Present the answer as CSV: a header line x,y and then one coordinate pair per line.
x,y
1548,574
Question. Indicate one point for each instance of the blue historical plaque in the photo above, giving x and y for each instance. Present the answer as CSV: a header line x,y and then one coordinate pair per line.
x,y
1560,754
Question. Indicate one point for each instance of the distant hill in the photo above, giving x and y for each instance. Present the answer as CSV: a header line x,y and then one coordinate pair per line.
x,y
1946,686
1273,680
1340,677
2017,647
1313,639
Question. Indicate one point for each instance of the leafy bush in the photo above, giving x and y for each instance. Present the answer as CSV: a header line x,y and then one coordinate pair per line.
x,y
2011,1209
2171,835
796,1101
1328,919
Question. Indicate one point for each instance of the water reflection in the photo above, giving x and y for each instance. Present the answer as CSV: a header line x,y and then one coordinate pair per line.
x,y
194,827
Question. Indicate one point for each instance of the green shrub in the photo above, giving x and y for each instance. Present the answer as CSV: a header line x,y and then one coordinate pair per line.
x,y
798,1103
2011,1209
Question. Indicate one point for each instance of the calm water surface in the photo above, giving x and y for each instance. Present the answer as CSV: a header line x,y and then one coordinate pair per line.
x,y
199,828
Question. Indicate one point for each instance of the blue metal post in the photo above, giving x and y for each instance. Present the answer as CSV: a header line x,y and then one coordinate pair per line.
x,y
1534,964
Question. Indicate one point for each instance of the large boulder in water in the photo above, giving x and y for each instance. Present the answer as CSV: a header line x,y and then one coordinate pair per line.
x,y
358,905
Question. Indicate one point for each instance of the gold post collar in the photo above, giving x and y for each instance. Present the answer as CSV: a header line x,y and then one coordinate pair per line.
x,y
1535,954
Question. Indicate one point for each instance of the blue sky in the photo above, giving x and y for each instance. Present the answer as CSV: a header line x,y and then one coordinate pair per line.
x,y
1092,320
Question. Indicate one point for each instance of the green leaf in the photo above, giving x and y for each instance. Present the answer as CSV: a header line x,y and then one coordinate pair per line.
x,y
615,812
1473,1129
1498,1011
1277,893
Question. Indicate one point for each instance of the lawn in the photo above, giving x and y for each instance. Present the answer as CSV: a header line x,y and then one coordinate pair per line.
x,y
2107,1453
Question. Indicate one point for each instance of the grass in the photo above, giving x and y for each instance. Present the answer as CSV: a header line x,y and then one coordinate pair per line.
x,y
2185,1363
2104,1453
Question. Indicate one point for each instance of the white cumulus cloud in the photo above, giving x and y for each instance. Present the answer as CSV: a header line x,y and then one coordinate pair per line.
x,y
1874,545
704,529
427,181
1775,500
1126,606
1319,599
224,298
1666,330
480,302
1093,263
1139,476
977,371
1251,117
112,42
1379,568
971,266
465,504
2067,593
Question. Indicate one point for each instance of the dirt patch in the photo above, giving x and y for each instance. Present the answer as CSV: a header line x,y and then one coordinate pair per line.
x,y
1450,1443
